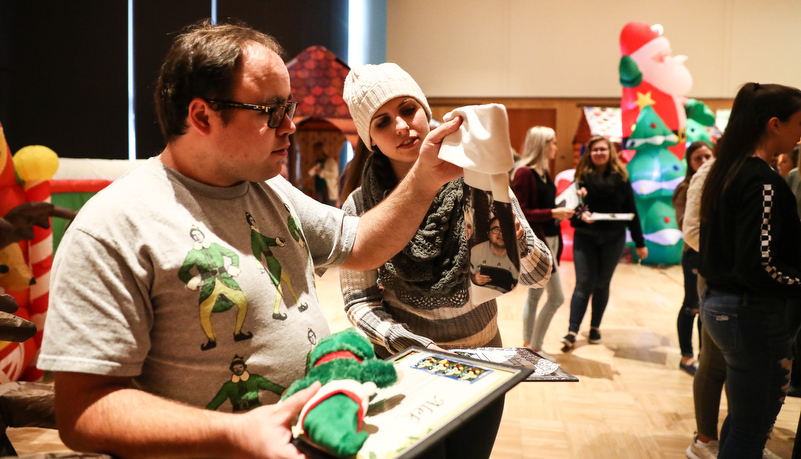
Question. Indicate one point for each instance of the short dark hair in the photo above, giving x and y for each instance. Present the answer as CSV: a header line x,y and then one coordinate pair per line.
x,y
202,62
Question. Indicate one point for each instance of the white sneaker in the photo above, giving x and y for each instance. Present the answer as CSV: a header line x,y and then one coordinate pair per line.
x,y
701,450
768,454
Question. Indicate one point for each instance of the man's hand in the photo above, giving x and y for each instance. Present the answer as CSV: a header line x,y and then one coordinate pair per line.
x,y
104,414
267,431
642,252
434,171
480,279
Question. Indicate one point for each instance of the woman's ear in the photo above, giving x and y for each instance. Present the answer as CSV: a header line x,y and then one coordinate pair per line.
x,y
773,124
198,115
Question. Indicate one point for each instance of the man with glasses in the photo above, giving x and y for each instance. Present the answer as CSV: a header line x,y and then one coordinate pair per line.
x,y
491,266
124,338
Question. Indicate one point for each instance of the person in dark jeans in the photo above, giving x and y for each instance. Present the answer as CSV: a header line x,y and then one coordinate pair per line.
x,y
755,381
750,256
689,309
697,154
595,257
598,245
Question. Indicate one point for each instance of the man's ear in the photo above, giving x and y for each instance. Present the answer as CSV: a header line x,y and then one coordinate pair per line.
x,y
199,115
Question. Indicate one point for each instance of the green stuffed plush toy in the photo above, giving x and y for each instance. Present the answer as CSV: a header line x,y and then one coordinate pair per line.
x,y
346,365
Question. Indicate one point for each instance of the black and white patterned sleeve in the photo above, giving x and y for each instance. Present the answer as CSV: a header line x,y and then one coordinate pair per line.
x,y
780,274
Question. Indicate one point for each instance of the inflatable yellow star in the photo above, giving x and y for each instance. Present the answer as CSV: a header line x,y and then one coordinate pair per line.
x,y
644,100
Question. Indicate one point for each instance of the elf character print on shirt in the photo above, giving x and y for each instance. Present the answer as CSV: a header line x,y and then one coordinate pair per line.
x,y
243,388
215,268
293,225
261,246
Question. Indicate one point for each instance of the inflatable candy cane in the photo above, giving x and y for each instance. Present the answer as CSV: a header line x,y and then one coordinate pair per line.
x,y
36,165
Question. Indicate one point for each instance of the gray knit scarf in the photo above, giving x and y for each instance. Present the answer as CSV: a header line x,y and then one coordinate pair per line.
x,y
432,270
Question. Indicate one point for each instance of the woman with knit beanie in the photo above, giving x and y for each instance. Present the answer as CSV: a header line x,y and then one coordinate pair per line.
x,y
422,295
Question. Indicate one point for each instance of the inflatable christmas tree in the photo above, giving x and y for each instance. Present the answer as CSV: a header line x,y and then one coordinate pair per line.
x,y
655,172
700,120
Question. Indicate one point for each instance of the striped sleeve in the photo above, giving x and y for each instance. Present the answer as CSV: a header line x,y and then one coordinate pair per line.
x,y
364,307
364,301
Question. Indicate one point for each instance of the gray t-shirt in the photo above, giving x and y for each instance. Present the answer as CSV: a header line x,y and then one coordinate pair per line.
x,y
199,293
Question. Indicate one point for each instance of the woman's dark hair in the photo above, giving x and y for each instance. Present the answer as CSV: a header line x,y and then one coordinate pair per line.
x,y
351,177
698,144
354,170
202,62
754,105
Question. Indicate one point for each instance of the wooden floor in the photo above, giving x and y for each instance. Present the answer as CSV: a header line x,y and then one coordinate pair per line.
x,y
631,401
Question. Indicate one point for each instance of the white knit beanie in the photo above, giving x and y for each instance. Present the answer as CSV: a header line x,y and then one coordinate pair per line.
x,y
370,86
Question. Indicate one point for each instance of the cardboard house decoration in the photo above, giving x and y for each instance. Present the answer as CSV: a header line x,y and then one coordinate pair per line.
x,y
317,77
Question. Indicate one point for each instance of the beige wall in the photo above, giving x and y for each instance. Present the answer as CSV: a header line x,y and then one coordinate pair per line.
x,y
569,48
564,54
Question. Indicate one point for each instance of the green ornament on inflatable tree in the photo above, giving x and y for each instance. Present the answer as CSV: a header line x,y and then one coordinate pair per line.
x,y
655,172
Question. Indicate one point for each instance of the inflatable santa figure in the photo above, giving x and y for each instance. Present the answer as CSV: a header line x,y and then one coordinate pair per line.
x,y
652,76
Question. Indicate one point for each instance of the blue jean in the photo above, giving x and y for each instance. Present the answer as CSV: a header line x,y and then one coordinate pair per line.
x,y
689,308
595,257
753,334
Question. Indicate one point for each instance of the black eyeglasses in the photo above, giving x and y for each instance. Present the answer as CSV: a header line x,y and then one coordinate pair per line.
x,y
275,112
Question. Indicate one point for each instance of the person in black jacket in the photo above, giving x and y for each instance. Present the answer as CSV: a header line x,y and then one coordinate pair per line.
x,y
598,245
750,255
